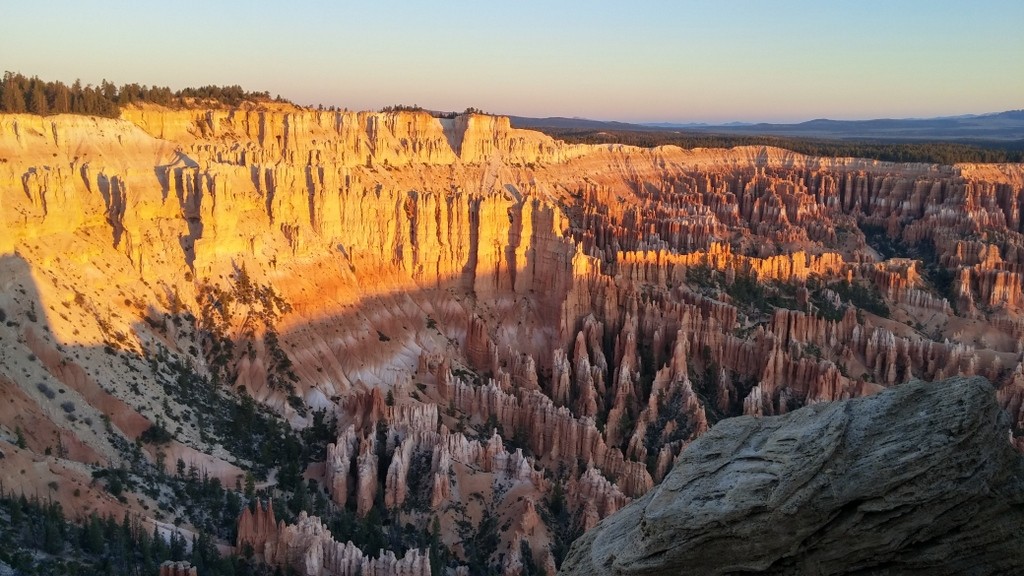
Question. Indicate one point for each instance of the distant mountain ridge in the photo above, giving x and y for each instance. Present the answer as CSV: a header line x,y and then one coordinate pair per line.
x,y
1001,126
573,123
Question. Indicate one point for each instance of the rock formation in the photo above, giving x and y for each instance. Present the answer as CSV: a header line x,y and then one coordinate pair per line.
x,y
488,314
919,479
308,548
257,528
178,569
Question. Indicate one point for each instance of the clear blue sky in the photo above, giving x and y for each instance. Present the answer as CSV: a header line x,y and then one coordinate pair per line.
x,y
753,60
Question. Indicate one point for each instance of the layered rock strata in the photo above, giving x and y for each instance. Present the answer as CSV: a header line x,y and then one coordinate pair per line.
x,y
516,315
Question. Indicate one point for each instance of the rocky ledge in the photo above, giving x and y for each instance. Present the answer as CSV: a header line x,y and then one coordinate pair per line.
x,y
918,479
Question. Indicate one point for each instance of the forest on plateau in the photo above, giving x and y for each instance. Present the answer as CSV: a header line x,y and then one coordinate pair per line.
x,y
937,152
21,94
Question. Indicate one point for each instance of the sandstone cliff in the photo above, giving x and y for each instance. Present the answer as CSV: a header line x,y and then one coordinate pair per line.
x,y
498,322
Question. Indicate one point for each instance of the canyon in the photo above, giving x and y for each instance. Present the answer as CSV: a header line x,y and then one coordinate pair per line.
x,y
482,340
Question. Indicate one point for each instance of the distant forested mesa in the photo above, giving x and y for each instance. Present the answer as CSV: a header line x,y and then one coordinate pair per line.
x,y
21,94
434,113
933,152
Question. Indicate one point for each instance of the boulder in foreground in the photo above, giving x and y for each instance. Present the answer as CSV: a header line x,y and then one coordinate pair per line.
x,y
918,479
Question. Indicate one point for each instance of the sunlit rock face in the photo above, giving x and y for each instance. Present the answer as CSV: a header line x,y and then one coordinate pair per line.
x,y
504,326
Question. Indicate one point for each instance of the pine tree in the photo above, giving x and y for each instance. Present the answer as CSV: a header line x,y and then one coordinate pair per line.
x,y
59,97
37,98
159,547
108,90
178,544
13,98
17,512
92,539
250,485
146,553
436,561
77,103
53,537
300,498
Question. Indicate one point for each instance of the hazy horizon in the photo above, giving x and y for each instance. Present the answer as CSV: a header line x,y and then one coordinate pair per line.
x,y
686,62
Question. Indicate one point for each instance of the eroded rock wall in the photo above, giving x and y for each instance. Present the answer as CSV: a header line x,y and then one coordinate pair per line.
x,y
494,317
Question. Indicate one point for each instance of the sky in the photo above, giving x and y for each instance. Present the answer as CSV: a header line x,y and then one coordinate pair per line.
x,y
638,61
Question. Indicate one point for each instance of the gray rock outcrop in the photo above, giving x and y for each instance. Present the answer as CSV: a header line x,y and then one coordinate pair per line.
x,y
918,479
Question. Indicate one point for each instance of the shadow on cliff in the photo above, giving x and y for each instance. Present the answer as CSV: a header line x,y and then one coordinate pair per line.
x,y
375,339
90,390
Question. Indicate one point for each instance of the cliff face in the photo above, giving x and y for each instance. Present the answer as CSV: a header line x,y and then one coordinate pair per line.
x,y
507,330
915,480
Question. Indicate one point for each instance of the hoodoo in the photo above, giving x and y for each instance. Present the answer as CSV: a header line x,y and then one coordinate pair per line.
x,y
457,341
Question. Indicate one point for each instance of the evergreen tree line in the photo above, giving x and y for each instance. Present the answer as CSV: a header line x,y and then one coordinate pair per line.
x,y
938,152
434,113
21,94
37,538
